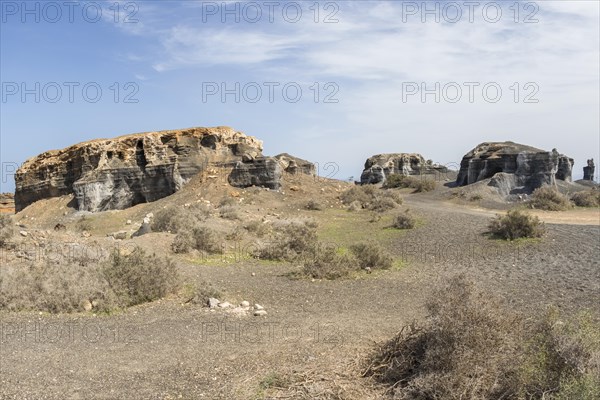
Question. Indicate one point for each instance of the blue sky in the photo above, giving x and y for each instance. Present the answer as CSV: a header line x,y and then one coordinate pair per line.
x,y
361,67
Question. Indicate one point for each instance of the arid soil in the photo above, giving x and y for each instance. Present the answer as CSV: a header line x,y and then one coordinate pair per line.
x,y
317,334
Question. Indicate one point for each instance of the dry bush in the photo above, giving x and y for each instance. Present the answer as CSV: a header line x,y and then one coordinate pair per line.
x,y
177,218
291,240
84,224
200,238
314,205
471,347
138,278
372,256
7,229
587,198
328,263
354,206
259,228
229,212
404,221
199,293
227,201
516,224
549,199
103,284
406,181
372,198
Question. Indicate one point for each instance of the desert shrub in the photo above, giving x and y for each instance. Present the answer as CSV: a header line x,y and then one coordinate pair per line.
x,y
406,181
404,220
587,198
354,206
372,256
199,293
372,198
363,194
314,205
84,224
328,263
259,228
176,218
6,229
170,219
549,199
87,283
235,234
471,347
200,238
229,212
54,287
476,197
227,201
138,278
516,224
291,239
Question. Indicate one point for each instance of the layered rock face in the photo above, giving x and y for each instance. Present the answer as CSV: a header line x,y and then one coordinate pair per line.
x,y
529,167
260,171
128,170
378,167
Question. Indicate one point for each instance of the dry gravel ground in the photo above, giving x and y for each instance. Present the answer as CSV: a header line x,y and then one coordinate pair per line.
x,y
316,335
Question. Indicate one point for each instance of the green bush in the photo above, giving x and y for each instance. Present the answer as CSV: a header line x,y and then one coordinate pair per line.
x,y
7,229
516,224
587,198
372,256
549,199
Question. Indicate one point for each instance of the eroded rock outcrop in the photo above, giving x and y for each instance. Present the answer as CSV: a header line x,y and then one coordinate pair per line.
x,y
260,171
119,173
379,166
294,165
588,170
528,167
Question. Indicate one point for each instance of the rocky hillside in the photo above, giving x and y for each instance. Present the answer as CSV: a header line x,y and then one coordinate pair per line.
x,y
379,166
119,173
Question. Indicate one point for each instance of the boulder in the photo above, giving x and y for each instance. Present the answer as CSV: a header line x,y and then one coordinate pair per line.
x,y
118,173
380,166
261,171
528,166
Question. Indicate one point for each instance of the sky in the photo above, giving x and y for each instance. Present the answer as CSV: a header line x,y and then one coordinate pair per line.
x,y
333,82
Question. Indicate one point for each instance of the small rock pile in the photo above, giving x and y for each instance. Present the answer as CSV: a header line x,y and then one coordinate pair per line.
x,y
243,308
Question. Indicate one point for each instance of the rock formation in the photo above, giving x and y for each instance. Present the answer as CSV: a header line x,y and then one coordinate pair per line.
x,y
118,173
7,203
528,168
588,171
260,171
379,166
294,165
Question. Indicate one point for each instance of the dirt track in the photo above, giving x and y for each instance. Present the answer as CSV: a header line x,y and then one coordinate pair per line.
x,y
321,330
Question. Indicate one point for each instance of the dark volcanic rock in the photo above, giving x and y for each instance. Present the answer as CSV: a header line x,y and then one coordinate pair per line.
x,y
261,171
588,171
379,166
128,170
531,167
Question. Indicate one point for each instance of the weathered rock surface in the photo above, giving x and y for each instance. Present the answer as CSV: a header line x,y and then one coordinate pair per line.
x,y
379,166
588,170
261,171
7,203
294,165
524,168
119,173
